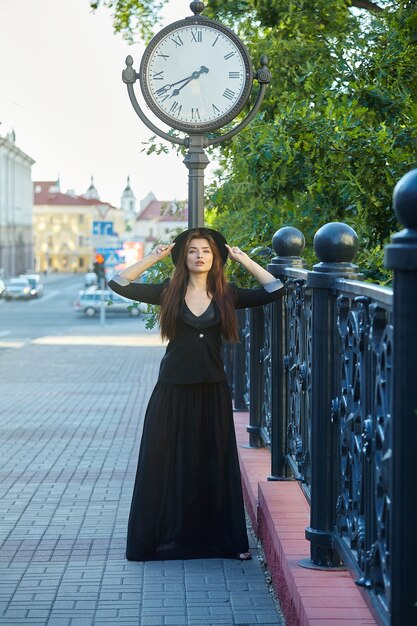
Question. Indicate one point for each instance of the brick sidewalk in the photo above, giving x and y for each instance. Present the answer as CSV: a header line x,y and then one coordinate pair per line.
x,y
69,432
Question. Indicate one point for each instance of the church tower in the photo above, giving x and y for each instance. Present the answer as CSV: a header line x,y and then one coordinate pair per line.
x,y
91,193
128,206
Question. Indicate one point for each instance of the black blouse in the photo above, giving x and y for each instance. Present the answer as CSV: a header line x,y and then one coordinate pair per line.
x,y
194,355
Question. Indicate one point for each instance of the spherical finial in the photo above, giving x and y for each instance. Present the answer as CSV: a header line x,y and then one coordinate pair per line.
x,y
288,242
335,243
405,199
197,7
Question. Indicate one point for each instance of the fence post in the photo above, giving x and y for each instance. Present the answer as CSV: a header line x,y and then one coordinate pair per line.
x,y
256,317
239,403
256,380
401,257
335,245
288,244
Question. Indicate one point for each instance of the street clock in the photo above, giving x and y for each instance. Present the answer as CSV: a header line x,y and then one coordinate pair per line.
x,y
196,75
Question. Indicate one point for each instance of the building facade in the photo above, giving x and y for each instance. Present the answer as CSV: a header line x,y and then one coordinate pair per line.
x,y
159,220
16,205
69,228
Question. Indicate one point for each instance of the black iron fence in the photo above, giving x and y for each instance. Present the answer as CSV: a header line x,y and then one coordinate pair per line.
x,y
329,376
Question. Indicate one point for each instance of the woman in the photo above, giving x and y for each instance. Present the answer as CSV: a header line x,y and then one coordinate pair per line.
x,y
187,500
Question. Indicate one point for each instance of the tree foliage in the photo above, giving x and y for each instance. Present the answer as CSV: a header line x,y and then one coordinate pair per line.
x,y
134,19
338,126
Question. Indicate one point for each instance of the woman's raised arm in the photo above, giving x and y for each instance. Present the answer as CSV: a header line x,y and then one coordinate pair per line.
x,y
259,273
137,269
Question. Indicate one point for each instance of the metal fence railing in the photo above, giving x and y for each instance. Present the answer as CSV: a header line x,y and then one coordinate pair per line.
x,y
329,376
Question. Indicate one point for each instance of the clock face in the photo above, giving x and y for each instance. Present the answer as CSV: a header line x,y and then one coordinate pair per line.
x,y
196,75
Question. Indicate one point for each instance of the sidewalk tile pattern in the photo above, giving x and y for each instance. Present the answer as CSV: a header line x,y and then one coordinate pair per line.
x,y
70,423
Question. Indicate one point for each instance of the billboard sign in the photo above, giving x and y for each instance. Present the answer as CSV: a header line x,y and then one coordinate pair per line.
x,y
103,229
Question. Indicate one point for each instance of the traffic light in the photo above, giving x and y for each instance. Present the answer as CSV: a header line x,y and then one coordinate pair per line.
x,y
99,267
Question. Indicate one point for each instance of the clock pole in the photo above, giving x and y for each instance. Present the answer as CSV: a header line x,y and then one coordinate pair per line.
x,y
196,161
196,140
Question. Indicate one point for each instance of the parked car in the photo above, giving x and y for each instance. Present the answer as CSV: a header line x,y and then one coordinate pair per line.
x,y
17,289
89,303
36,287
90,280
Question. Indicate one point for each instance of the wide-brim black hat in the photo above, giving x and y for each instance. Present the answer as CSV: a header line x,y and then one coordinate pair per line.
x,y
218,238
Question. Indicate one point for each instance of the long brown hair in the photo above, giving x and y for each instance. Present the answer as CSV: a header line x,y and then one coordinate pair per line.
x,y
217,286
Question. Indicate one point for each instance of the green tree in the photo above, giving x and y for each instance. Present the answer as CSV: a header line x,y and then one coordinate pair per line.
x,y
339,126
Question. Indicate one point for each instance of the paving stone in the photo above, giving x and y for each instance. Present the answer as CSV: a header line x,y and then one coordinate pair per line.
x,y
133,612
68,452
38,613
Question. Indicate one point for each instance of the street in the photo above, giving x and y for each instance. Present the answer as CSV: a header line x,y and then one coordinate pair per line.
x,y
54,314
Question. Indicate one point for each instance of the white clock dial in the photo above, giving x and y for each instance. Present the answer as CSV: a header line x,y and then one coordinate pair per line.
x,y
196,75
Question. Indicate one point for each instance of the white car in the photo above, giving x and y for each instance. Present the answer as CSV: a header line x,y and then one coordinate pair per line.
x,y
90,280
89,303
36,287
17,289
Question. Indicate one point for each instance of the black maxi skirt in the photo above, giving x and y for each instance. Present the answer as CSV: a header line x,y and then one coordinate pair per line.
x,y
187,500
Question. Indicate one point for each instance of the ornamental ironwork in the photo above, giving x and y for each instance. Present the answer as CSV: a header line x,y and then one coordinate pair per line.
x,y
298,368
266,365
364,412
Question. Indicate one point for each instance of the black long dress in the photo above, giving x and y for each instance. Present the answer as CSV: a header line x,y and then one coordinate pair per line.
x,y
187,499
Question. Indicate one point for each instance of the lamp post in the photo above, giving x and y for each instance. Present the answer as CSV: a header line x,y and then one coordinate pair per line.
x,y
196,76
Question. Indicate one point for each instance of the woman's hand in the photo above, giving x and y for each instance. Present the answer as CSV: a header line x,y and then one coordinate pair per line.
x,y
236,254
161,251
259,273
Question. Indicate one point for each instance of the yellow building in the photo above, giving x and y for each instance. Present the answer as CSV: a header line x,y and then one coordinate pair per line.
x,y
68,228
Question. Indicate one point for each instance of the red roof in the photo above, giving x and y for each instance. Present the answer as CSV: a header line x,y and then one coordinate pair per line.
x,y
161,210
47,192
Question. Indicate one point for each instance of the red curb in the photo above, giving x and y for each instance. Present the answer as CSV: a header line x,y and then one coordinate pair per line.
x,y
279,514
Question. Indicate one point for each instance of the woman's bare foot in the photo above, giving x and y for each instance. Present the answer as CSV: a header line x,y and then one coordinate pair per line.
x,y
244,556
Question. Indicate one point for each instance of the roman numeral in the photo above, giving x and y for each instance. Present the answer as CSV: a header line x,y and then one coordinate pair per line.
x,y
160,75
234,74
178,41
229,94
165,98
175,108
229,56
215,109
163,56
197,36
195,114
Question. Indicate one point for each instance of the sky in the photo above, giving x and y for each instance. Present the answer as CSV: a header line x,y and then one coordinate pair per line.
x,y
62,93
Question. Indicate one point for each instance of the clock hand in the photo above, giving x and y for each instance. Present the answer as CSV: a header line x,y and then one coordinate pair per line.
x,y
194,76
168,86
162,90
176,91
